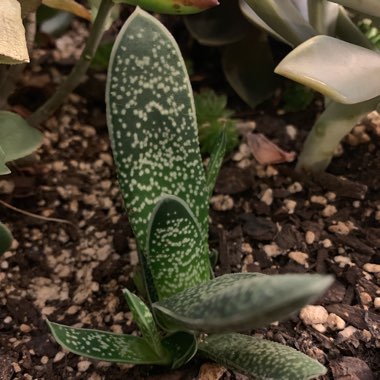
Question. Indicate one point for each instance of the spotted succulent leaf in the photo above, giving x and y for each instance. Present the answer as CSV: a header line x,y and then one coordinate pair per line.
x,y
5,238
260,358
176,254
216,161
182,347
102,345
152,123
240,301
145,321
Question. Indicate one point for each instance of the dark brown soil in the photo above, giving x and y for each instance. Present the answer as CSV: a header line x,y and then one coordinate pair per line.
x,y
264,219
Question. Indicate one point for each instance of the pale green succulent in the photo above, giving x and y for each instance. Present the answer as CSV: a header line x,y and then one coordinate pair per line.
x,y
331,55
153,130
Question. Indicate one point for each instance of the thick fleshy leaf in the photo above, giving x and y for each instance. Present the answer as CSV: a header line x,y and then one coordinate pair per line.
x,y
102,345
347,30
260,358
254,19
322,15
152,123
13,48
145,321
182,347
284,18
330,128
219,26
370,7
178,7
238,302
69,6
176,253
5,238
248,66
215,162
350,75
17,138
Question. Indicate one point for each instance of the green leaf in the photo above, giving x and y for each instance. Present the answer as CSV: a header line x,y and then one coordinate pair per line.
x,y
237,302
145,321
260,358
335,122
152,123
178,7
209,28
284,18
182,347
177,257
367,27
17,138
5,238
350,75
370,7
102,345
216,161
248,66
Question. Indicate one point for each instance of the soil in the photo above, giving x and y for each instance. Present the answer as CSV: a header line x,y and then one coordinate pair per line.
x,y
267,219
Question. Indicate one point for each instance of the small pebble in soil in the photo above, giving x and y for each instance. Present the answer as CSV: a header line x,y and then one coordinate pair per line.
x,y
347,333
267,197
328,211
371,268
326,243
290,205
59,356
222,202
310,237
319,199
24,328
272,250
319,327
314,314
334,322
342,228
376,303
295,187
342,261
299,257
83,365
365,298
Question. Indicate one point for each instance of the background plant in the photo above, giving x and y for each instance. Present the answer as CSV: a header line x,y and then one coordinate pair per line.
x,y
153,130
249,65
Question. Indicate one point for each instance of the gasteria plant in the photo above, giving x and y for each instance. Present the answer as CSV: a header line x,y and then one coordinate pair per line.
x,y
347,73
152,126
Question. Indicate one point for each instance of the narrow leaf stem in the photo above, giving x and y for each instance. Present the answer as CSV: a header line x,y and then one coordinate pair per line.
x,y
79,70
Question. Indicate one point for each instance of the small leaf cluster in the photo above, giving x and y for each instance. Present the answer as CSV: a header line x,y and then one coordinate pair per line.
x,y
213,117
153,130
370,31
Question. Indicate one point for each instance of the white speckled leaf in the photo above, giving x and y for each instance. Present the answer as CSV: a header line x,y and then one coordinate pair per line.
x,y
176,253
145,321
152,123
260,358
102,345
240,301
5,238
216,161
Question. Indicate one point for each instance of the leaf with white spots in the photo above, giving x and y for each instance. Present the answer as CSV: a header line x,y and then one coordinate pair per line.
x,y
182,347
102,345
240,301
176,253
152,123
216,161
145,321
260,358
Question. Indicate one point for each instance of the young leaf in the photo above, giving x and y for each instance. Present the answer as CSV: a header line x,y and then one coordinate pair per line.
x,y
152,123
17,138
260,358
102,345
338,79
144,319
5,238
216,161
182,347
238,302
176,254
69,6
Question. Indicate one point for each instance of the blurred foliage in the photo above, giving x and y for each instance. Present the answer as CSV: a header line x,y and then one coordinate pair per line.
x,y
297,97
212,117
370,31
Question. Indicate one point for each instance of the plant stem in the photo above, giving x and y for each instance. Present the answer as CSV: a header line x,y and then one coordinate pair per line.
x,y
79,70
331,127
